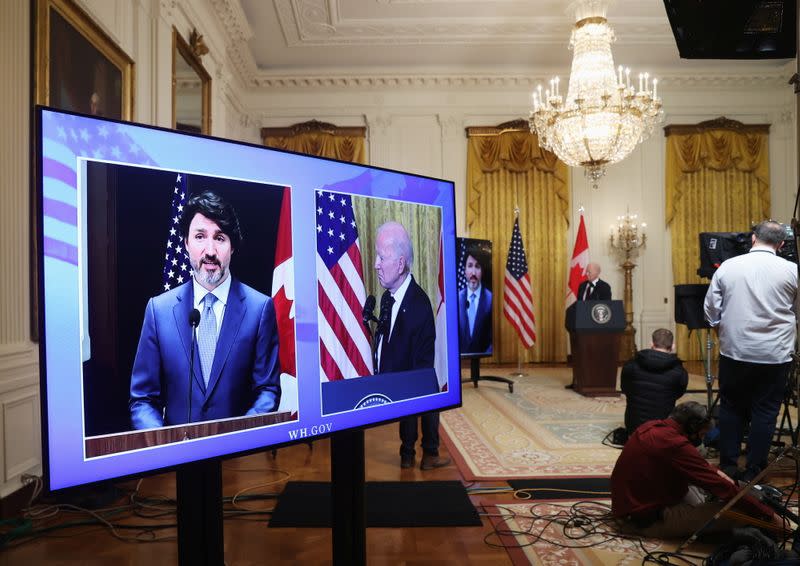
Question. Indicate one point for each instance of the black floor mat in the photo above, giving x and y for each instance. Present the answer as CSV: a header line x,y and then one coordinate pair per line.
x,y
566,488
389,504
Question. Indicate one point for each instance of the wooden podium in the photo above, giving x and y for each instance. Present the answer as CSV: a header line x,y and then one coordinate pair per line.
x,y
595,329
134,440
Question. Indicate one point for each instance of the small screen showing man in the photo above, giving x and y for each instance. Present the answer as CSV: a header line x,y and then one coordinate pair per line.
x,y
235,369
475,297
385,255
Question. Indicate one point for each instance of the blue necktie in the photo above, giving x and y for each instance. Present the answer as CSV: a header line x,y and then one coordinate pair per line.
x,y
471,312
207,336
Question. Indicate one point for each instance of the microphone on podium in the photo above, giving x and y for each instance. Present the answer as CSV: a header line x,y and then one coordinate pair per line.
x,y
194,322
368,313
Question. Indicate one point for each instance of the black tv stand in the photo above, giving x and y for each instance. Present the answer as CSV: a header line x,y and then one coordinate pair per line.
x,y
475,372
199,495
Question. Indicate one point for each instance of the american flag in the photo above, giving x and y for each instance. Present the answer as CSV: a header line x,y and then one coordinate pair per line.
x,y
461,276
177,269
66,138
517,298
343,341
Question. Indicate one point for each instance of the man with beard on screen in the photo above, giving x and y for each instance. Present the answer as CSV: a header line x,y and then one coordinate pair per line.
x,y
475,307
235,370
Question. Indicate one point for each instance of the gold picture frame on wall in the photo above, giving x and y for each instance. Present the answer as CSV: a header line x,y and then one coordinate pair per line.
x,y
191,85
79,68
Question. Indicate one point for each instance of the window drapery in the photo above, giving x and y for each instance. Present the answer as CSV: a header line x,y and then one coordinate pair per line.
x,y
320,139
507,168
717,180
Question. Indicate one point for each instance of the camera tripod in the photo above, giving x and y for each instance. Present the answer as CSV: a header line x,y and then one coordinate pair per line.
x,y
707,366
790,399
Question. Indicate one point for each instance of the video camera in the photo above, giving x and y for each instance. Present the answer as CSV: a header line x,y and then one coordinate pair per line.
x,y
716,247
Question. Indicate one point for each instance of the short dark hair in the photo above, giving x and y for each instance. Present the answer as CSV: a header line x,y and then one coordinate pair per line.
x,y
663,338
691,415
476,252
213,207
770,232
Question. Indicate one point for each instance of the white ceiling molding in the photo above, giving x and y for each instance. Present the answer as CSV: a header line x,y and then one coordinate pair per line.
x,y
416,80
237,33
319,23
298,44
233,19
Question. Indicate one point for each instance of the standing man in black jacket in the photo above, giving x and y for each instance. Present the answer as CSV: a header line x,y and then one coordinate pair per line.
x,y
653,381
408,335
594,288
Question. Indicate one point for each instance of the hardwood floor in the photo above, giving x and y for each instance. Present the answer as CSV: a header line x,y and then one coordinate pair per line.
x,y
249,541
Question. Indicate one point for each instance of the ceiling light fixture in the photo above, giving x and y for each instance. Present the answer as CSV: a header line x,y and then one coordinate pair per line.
x,y
604,116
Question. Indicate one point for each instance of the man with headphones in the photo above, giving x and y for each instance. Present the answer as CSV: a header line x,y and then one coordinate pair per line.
x,y
654,483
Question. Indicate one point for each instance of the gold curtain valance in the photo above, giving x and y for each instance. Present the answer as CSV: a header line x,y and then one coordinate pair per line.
x,y
509,147
320,139
512,148
719,145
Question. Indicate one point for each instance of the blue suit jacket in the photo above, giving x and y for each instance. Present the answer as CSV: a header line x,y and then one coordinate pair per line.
x,y
245,375
481,339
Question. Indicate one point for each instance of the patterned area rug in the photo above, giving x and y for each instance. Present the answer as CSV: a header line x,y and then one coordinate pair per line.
x,y
540,430
530,538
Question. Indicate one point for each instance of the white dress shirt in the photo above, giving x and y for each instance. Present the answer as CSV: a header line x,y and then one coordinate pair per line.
x,y
752,299
398,298
589,288
221,293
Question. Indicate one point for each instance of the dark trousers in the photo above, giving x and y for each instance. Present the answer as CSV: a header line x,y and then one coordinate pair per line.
x,y
430,434
749,392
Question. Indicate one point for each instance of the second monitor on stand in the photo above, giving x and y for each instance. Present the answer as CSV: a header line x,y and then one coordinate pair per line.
x,y
689,311
475,372
475,302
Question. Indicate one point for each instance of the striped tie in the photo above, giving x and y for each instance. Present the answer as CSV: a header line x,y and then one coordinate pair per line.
x,y
207,336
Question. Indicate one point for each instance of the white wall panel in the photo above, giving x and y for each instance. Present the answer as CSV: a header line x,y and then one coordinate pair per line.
x,y
21,434
415,145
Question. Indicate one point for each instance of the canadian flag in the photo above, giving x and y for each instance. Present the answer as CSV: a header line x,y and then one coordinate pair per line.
x,y
577,267
283,299
440,359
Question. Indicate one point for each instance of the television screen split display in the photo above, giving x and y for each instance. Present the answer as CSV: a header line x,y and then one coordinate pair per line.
x,y
201,297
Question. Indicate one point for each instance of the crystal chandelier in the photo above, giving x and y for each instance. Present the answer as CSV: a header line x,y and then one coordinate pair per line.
x,y
603,116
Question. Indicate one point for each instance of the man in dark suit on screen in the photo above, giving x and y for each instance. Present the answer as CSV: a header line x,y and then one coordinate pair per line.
x,y
235,370
406,336
475,308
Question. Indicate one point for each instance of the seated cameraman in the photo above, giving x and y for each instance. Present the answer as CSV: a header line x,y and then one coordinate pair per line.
x,y
652,382
654,483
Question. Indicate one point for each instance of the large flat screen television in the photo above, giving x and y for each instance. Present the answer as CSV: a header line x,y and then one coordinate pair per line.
x,y
201,298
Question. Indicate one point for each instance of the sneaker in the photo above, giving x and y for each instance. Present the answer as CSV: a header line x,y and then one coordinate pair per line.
x,y
406,462
430,462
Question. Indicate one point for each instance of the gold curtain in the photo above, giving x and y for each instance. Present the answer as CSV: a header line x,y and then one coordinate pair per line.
x,y
320,139
717,180
506,167
423,224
